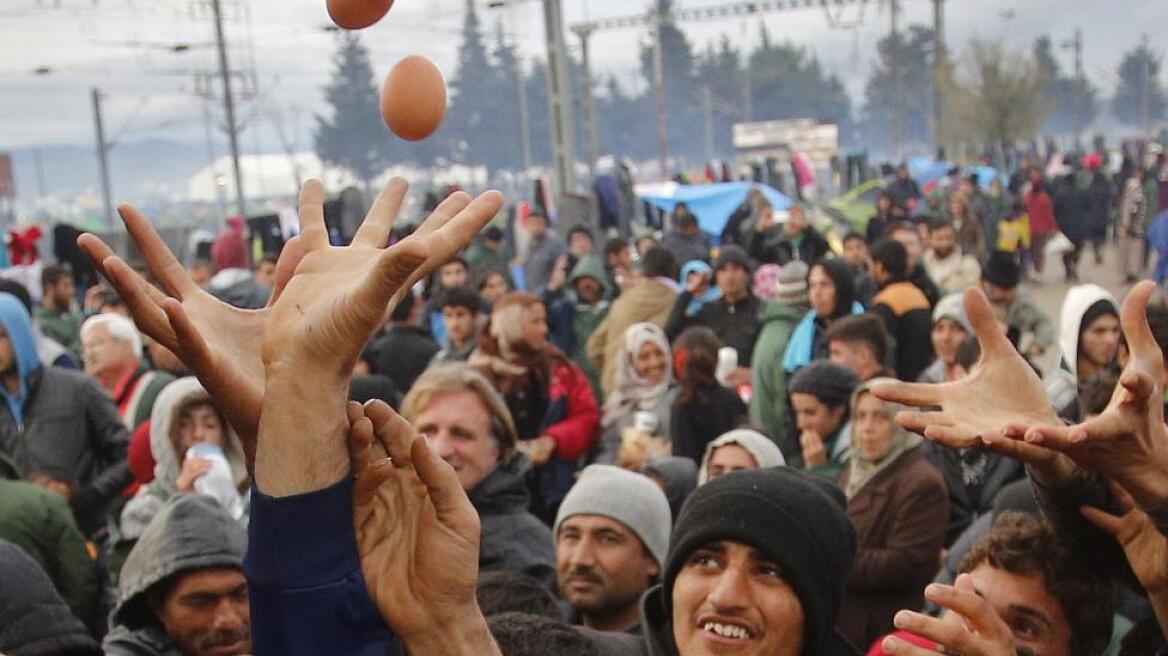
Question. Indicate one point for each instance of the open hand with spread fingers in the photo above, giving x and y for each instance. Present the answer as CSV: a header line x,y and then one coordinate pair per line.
x,y
969,627
417,535
1128,442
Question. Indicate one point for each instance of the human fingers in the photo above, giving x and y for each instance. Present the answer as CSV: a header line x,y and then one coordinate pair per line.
x,y
446,210
96,250
171,274
392,276
374,230
147,313
190,345
446,493
1134,320
1069,438
1113,524
393,431
1011,445
964,599
359,439
985,325
901,647
286,265
953,437
910,394
1137,387
313,233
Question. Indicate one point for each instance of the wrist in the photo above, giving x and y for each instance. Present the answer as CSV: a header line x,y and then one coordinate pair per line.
x,y
465,634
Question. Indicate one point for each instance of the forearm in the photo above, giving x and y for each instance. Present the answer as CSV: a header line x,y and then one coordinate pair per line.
x,y
468,636
301,443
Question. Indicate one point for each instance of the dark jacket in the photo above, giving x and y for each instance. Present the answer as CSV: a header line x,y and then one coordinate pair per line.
x,y
768,402
686,248
513,539
919,277
239,288
39,522
403,354
900,517
909,320
973,477
1072,210
1100,193
736,324
776,247
192,532
34,620
697,423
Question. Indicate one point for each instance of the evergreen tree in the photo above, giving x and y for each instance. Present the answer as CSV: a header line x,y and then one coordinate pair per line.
x,y
721,71
1064,91
354,137
472,97
914,53
1140,99
786,83
682,102
625,123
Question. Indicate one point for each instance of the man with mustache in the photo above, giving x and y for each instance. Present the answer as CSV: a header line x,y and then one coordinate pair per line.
x,y
612,532
182,591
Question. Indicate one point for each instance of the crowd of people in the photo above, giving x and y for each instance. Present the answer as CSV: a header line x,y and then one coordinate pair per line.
x,y
432,442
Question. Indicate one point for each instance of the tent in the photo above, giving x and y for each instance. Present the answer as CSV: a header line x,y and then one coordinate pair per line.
x,y
711,203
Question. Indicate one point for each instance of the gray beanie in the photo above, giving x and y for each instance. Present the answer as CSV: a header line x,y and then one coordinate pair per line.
x,y
629,498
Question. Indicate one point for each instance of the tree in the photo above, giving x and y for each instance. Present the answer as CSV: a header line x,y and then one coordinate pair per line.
x,y
682,99
720,70
1065,92
354,136
475,101
997,97
905,105
787,83
1139,99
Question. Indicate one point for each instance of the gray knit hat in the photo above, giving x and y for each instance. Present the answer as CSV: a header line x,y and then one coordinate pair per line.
x,y
629,498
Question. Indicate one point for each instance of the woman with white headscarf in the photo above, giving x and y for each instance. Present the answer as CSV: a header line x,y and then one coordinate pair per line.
x,y
644,384
898,503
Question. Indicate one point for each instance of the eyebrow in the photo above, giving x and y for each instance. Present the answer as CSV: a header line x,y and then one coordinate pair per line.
x,y
1031,613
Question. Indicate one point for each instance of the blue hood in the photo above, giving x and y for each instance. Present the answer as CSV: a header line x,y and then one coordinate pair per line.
x,y
16,322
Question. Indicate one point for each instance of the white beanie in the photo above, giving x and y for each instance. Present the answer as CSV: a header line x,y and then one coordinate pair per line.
x,y
629,498
765,452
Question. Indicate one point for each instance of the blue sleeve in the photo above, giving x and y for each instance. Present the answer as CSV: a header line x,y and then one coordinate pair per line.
x,y
307,592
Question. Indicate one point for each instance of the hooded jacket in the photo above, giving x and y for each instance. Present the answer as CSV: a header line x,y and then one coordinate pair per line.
x,y
513,539
151,498
762,449
36,622
61,424
768,402
909,319
1062,384
680,476
735,323
192,532
578,320
649,300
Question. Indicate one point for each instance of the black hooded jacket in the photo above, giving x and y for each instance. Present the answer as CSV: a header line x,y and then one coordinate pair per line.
x,y
513,538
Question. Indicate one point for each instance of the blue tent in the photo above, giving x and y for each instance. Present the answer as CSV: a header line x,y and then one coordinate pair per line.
x,y
711,203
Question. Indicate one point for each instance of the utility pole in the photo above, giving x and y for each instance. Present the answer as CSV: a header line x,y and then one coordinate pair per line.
x,y
897,84
40,175
563,149
1146,83
102,157
524,119
1080,87
586,105
659,94
229,107
708,113
940,65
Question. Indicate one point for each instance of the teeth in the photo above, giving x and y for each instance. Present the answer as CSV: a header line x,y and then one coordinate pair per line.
x,y
727,630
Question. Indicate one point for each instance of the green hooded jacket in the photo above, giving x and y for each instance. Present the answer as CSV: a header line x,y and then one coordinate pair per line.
x,y
586,318
768,401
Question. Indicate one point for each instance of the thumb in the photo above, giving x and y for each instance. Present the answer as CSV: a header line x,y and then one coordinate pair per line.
x,y
394,267
1139,386
1104,521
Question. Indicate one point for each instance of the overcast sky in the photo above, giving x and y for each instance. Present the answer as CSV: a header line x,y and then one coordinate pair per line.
x,y
119,46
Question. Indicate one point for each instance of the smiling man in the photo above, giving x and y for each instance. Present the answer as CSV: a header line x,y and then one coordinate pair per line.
x,y
612,532
182,589
470,427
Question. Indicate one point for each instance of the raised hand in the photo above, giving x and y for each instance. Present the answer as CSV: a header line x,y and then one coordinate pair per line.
x,y
417,535
1001,390
814,453
970,626
1128,443
1145,546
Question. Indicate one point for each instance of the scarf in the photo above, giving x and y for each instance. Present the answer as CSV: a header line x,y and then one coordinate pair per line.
x,y
861,471
633,391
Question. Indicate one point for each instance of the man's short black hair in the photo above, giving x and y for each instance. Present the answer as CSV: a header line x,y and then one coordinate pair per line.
x,y
853,236
659,263
867,329
54,273
268,258
461,297
891,255
518,634
940,223
19,291
457,259
493,233
504,591
614,246
580,229
402,311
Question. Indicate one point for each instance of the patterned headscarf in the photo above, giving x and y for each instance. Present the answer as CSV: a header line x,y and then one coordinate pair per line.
x,y
633,392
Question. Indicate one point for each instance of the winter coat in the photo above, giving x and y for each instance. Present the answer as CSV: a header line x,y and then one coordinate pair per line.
x,y
1062,383
919,277
807,343
971,236
239,288
1072,210
448,354
903,190
39,522
541,261
1040,209
900,518
578,320
402,354
1133,209
512,539
650,300
776,247
1027,318
769,408
1099,194
699,422
61,424
735,323
135,395
972,482
61,327
955,273
192,532
35,620
686,248
909,319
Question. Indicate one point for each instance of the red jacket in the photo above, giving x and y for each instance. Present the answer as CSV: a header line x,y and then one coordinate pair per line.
x,y
572,412
1041,210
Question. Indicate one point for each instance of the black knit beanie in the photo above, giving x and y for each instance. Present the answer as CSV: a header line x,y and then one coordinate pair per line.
x,y
827,381
795,519
1002,270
